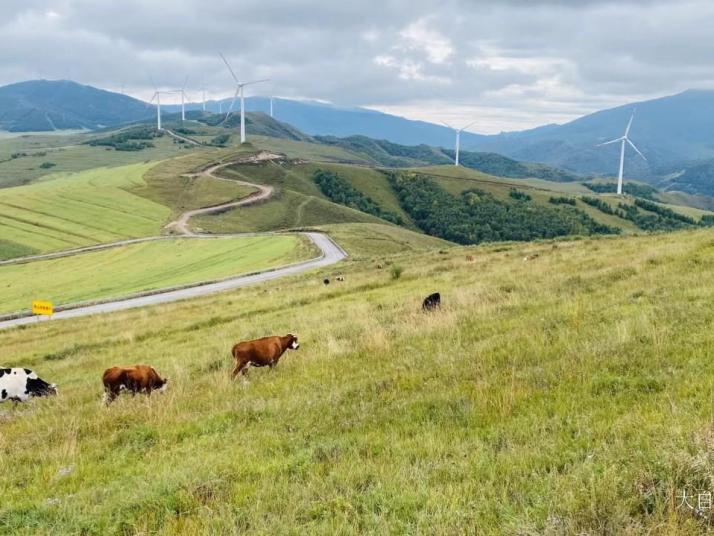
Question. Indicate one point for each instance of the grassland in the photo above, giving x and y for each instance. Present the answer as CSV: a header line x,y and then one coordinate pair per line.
x,y
78,209
176,183
378,241
68,154
568,394
145,266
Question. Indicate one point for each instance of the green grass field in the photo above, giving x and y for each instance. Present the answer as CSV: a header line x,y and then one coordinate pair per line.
x,y
78,209
69,155
286,210
145,266
570,394
370,240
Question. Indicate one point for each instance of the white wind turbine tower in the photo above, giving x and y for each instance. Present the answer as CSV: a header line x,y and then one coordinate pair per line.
x,y
157,97
182,92
271,106
239,91
458,139
624,140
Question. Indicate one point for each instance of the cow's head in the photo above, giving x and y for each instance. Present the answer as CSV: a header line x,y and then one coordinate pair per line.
x,y
162,384
35,386
293,343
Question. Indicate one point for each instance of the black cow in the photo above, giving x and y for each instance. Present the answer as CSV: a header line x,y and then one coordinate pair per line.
x,y
431,302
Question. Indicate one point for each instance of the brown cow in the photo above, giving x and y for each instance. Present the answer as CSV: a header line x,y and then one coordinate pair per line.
x,y
136,379
261,352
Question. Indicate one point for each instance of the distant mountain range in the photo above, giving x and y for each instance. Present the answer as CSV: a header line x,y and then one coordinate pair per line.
x,y
675,133
45,105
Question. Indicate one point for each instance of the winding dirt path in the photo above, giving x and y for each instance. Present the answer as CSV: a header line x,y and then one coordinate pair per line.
x,y
264,192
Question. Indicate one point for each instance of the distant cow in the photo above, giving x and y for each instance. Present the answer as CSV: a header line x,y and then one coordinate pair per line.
x,y
431,302
136,379
530,257
261,352
470,258
21,384
326,281
340,278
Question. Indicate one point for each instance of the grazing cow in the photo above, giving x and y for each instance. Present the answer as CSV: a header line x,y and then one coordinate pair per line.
x,y
261,352
340,278
136,379
431,302
530,257
20,384
470,258
326,281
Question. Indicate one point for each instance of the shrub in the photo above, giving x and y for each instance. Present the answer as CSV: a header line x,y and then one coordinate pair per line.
x,y
396,271
562,201
518,195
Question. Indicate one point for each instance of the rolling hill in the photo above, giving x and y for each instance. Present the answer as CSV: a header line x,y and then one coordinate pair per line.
x,y
47,105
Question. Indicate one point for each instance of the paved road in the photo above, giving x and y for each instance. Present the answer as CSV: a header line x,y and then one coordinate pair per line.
x,y
331,253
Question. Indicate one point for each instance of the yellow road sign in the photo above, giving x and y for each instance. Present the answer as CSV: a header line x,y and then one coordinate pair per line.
x,y
42,308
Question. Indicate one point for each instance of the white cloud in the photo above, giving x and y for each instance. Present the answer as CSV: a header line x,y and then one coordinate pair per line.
x,y
421,36
514,63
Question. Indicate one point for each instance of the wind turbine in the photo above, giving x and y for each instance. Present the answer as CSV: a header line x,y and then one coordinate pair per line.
x,y
624,140
271,106
458,139
157,97
182,92
239,91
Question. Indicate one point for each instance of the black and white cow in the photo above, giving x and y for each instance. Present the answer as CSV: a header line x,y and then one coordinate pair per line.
x,y
19,385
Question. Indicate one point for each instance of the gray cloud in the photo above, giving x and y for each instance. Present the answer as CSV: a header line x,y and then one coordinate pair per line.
x,y
510,64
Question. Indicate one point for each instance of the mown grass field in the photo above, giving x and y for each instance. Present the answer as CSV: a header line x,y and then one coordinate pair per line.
x,y
564,395
78,209
145,266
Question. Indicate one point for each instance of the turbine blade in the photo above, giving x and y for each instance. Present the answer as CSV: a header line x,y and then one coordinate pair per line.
x,y
229,68
467,126
447,125
636,149
609,142
185,82
255,82
627,130
230,108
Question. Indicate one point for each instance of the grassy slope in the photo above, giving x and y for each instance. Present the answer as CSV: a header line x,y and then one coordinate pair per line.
x,y
79,209
306,150
174,182
567,394
297,203
146,266
69,155
369,240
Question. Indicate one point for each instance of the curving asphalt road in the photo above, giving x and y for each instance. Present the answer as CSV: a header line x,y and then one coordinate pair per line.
x,y
331,253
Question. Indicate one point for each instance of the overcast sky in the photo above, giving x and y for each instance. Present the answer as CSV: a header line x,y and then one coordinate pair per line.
x,y
507,64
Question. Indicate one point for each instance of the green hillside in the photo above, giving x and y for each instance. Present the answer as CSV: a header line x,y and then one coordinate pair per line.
x,y
569,394
79,209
